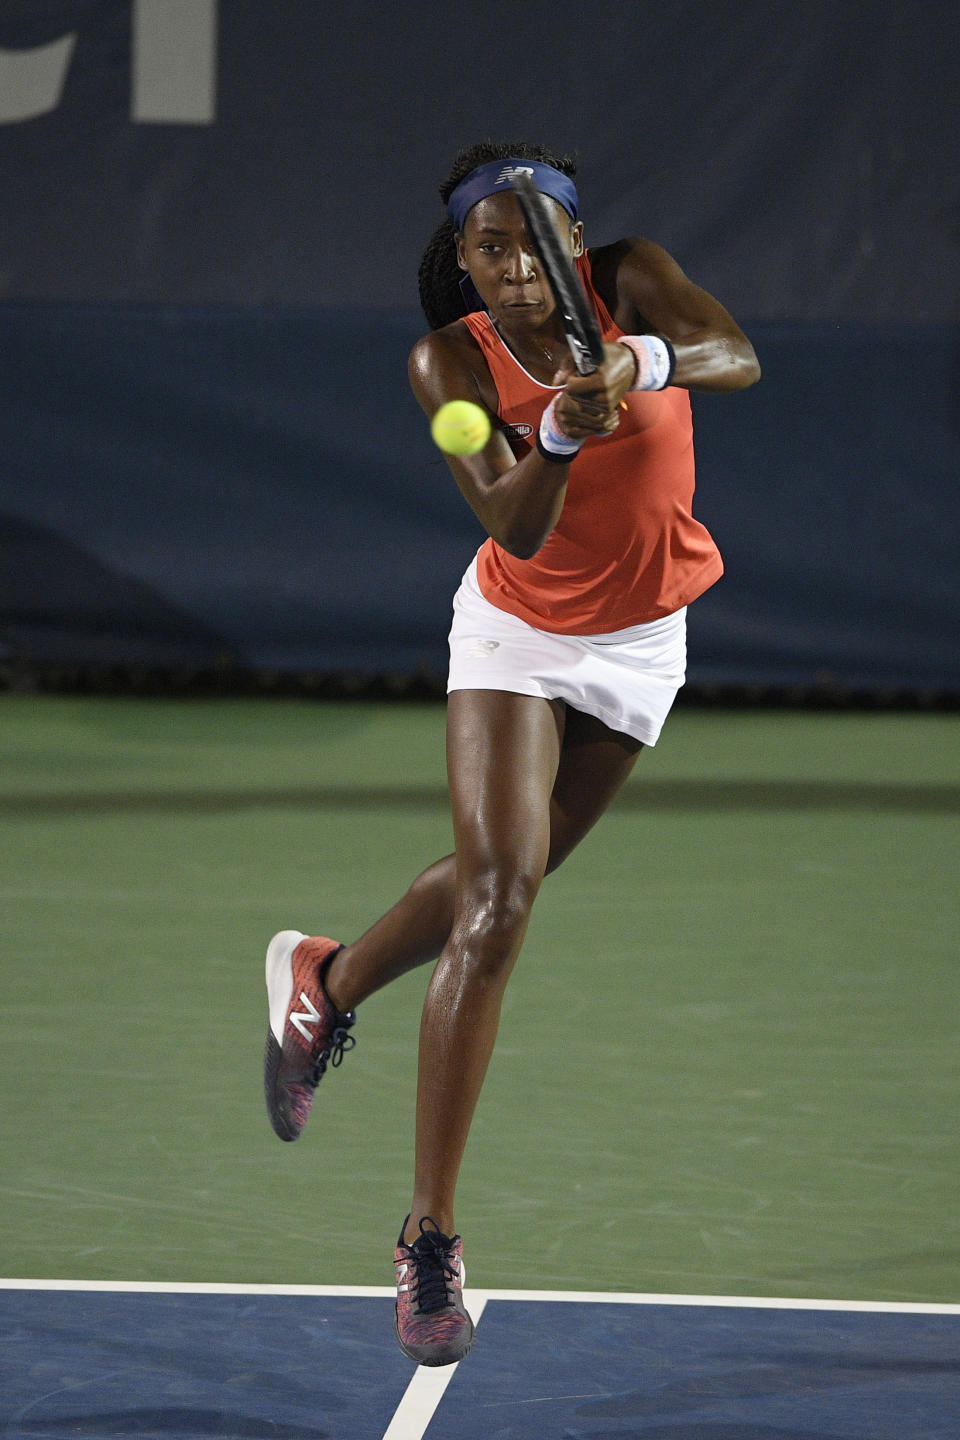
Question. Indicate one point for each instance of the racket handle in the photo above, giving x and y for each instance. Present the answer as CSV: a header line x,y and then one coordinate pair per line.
x,y
582,358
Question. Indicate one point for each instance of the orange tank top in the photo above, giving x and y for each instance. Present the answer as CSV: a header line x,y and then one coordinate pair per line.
x,y
626,548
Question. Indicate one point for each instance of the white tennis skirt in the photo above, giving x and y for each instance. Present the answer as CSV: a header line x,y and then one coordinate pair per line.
x,y
628,679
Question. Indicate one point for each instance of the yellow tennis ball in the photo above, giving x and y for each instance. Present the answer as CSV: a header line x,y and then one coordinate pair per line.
x,y
460,427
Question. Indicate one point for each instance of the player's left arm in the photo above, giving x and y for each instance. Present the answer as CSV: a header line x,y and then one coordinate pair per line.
x,y
712,351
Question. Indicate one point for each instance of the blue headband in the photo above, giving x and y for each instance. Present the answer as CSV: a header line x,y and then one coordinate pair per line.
x,y
494,177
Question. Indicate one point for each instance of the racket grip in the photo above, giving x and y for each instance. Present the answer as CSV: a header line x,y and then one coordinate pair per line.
x,y
582,359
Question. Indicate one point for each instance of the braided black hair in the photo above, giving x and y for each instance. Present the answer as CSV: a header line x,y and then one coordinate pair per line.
x,y
440,274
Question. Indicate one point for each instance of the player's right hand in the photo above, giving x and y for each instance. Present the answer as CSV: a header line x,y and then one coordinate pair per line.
x,y
590,404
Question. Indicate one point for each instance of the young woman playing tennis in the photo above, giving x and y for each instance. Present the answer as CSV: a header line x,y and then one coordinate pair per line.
x,y
566,653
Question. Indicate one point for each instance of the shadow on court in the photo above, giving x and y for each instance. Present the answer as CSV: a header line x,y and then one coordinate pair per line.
x,y
690,796
176,1421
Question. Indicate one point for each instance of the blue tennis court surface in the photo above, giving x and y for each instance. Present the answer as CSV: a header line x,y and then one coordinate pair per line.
x,y
205,1361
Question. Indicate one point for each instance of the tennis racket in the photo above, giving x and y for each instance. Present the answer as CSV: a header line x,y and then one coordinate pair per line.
x,y
579,321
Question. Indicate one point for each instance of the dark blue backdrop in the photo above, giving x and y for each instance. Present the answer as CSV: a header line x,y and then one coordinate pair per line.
x,y
207,294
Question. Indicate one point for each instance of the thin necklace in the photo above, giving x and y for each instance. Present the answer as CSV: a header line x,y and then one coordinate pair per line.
x,y
540,346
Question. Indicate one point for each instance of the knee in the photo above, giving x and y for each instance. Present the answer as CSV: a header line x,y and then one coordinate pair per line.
x,y
497,903
436,884
492,918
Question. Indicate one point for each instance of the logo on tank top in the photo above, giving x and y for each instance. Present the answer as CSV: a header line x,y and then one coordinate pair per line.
x,y
517,432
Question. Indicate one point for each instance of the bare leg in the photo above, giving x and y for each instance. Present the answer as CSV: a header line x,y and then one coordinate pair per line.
x,y
503,752
412,932
594,763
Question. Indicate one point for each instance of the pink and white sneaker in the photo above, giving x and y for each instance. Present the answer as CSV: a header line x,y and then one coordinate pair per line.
x,y
306,1031
433,1326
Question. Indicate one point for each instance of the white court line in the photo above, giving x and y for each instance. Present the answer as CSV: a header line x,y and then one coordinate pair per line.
x,y
481,1297
427,1388
199,1287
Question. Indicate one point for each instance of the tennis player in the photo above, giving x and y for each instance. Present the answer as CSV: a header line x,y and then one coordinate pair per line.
x,y
567,650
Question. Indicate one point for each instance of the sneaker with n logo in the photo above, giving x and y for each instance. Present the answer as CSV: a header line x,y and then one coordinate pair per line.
x,y
433,1326
306,1032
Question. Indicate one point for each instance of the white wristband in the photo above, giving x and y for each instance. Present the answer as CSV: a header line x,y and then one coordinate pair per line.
x,y
655,360
551,441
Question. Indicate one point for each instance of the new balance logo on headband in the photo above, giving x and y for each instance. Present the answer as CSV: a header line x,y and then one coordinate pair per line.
x,y
489,179
508,172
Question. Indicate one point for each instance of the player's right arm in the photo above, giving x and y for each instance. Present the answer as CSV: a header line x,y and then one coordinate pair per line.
x,y
518,502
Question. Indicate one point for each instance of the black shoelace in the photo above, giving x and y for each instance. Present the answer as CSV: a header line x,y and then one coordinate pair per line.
x,y
340,1042
433,1268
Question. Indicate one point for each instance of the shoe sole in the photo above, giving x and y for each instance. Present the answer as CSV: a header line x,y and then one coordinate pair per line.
x,y
434,1362
279,977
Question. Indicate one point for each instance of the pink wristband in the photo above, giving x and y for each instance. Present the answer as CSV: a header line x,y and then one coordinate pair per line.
x,y
552,443
655,359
